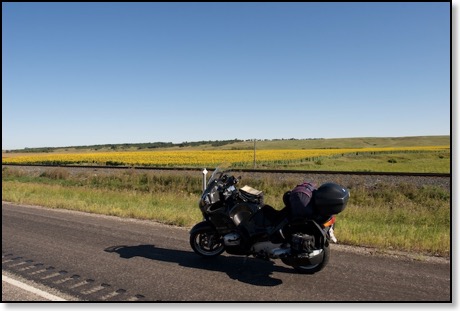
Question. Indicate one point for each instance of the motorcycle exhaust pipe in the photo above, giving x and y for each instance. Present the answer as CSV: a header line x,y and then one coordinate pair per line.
x,y
280,252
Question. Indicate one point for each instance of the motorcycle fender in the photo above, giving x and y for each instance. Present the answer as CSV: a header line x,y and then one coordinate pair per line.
x,y
201,225
318,227
322,232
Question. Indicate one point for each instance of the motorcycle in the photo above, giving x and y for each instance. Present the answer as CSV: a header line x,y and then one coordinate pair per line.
x,y
237,221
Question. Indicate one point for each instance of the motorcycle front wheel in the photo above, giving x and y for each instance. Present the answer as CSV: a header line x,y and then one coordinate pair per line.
x,y
206,242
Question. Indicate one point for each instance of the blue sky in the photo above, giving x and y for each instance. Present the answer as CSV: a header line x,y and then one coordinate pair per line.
x,y
102,73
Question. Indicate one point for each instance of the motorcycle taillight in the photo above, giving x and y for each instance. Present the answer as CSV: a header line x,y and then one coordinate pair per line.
x,y
330,222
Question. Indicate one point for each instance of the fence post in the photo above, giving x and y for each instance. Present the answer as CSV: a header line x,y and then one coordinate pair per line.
x,y
254,164
205,172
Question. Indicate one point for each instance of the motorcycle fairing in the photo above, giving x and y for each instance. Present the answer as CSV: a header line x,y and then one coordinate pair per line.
x,y
202,225
242,213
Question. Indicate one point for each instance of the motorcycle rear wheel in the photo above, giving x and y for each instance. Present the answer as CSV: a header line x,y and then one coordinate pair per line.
x,y
207,242
310,269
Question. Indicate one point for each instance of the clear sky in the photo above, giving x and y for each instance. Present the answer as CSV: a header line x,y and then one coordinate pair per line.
x,y
102,73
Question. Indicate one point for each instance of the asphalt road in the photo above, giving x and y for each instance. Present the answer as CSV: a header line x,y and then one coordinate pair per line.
x,y
103,258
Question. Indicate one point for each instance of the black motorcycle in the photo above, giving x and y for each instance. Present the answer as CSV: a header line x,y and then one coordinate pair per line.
x,y
237,221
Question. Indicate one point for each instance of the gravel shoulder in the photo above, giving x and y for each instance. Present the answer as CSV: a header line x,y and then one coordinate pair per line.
x,y
348,180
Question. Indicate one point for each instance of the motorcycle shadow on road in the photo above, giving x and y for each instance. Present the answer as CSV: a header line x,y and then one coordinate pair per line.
x,y
248,270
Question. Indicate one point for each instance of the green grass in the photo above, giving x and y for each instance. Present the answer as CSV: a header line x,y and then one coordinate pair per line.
x,y
417,162
386,216
168,208
398,217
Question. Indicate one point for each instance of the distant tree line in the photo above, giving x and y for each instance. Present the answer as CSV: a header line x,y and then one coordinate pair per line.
x,y
214,143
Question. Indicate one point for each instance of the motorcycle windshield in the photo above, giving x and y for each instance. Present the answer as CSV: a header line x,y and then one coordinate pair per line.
x,y
217,173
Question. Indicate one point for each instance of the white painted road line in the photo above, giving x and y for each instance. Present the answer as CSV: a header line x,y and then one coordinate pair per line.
x,y
31,289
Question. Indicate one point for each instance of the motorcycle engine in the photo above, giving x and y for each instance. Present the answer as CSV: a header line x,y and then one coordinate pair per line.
x,y
232,239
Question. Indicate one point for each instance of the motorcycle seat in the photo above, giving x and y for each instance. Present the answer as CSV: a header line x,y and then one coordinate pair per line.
x,y
267,216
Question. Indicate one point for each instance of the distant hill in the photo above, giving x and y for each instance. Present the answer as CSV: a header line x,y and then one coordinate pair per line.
x,y
237,144
127,146
332,143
